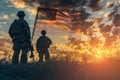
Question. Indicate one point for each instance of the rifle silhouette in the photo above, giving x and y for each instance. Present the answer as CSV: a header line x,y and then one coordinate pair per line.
x,y
32,54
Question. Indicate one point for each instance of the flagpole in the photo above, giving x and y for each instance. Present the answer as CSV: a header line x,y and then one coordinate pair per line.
x,y
32,55
34,25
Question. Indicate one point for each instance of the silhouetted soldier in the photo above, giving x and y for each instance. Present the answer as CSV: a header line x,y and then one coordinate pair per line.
x,y
43,43
20,33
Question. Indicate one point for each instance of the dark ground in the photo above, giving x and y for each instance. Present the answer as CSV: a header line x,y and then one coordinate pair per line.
x,y
60,70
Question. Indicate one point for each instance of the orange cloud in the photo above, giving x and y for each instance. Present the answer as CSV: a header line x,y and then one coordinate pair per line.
x,y
18,3
5,16
32,10
109,4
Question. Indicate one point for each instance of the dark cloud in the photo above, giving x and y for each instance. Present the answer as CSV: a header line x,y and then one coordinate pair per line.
x,y
55,3
75,43
61,3
94,5
78,21
109,41
105,28
94,41
113,15
86,26
116,20
116,31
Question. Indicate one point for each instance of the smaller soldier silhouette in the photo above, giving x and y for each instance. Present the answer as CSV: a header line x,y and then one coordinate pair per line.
x,y
43,43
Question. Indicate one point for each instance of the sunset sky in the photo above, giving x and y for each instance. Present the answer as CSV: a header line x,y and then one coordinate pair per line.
x,y
98,29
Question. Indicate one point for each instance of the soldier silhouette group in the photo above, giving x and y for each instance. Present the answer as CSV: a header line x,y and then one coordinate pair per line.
x,y
19,32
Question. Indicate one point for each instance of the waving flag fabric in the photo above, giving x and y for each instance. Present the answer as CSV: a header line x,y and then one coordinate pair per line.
x,y
56,16
46,14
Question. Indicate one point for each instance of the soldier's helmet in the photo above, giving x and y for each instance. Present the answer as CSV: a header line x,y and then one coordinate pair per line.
x,y
43,32
21,13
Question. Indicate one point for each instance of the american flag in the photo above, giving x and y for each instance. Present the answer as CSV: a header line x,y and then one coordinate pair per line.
x,y
53,16
57,17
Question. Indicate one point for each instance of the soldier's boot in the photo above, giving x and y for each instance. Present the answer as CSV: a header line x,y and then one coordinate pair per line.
x,y
24,57
15,57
